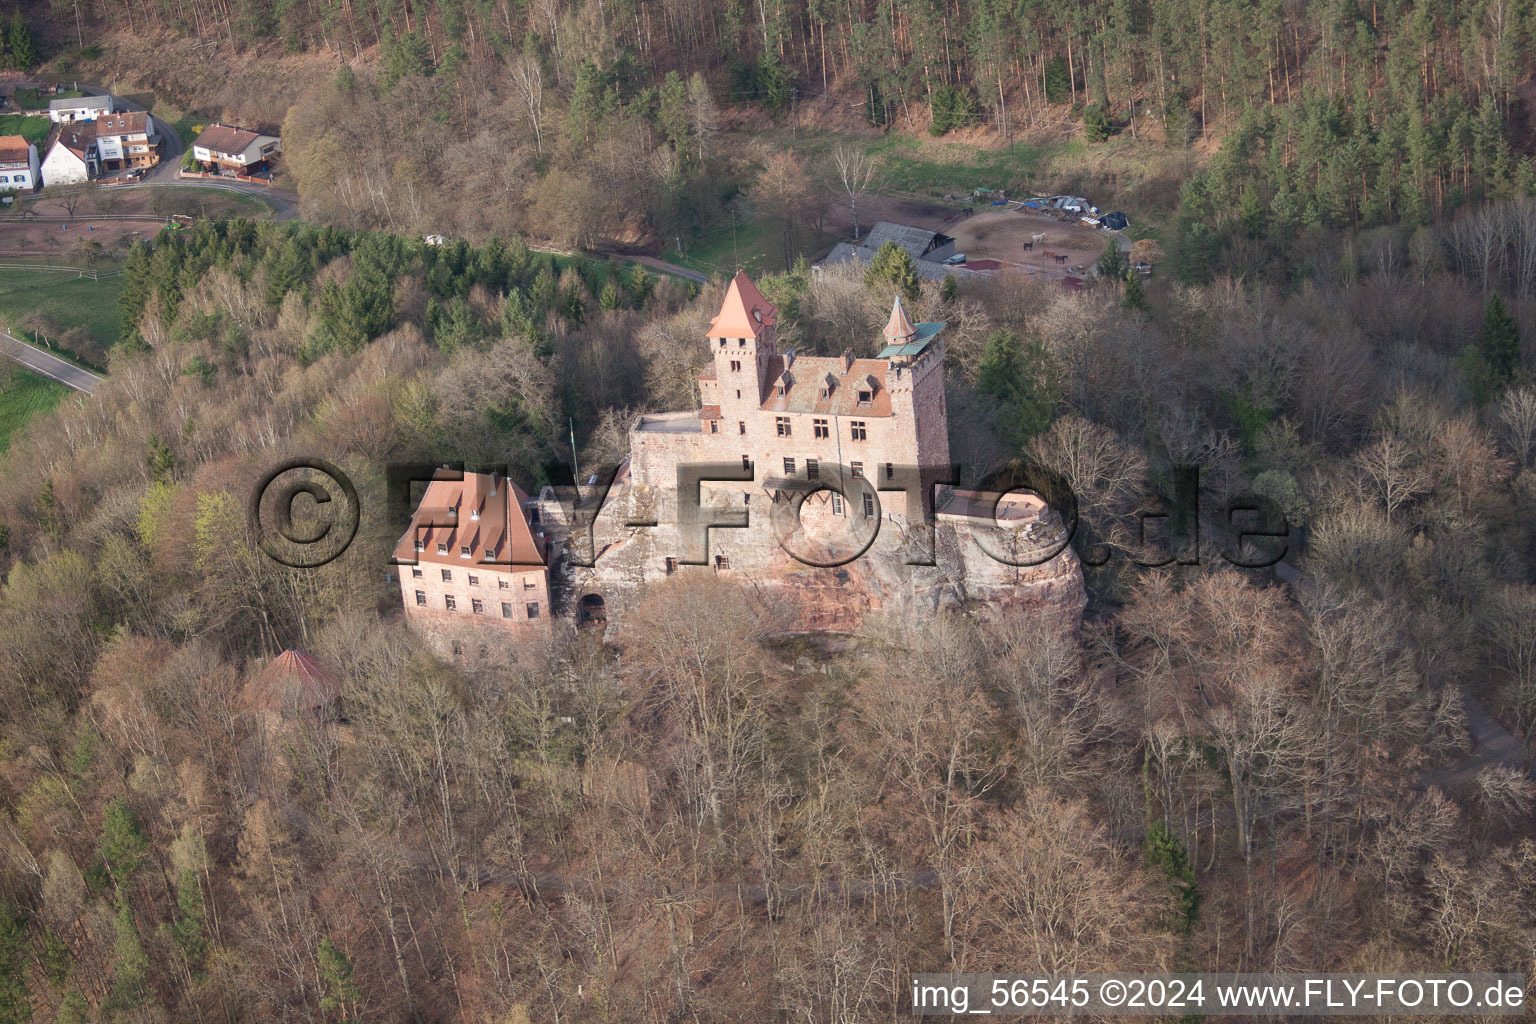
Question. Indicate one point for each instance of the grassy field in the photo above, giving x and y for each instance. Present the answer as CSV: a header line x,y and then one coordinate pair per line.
x,y
34,129
67,301
28,99
752,245
23,396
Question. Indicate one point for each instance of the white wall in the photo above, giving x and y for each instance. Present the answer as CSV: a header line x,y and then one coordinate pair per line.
x,y
19,178
62,167
69,114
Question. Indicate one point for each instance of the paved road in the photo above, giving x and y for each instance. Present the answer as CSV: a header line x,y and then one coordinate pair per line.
x,y
51,366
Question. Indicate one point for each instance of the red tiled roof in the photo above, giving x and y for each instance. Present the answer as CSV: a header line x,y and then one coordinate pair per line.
x,y
292,681
222,138
499,528
807,376
14,149
709,412
130,122
899,327
77,138
744,313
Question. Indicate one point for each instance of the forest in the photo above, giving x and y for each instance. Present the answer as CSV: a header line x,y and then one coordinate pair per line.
x,y
1216,769
645,123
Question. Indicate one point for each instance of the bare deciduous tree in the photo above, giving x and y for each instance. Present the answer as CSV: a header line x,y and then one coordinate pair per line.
x,y
856,171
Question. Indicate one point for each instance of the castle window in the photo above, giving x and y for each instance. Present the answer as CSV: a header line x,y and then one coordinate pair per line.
x,y
502,585
856,430
837,504
671,566
474,580
532,608
449,603
738,392
735,365
447,575
823,393
416,573
721,562
722,343
789,466
478,606
783,391
869,505
506,610
741,342
714,426
741,426
857,469
890,470
746,463
458,648
812,469
782,423
819,428
421,598
530,582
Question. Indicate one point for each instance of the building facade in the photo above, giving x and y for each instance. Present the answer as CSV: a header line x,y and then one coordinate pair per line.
x,y
126,140
19,168
794,419
72,157
473,568
80,108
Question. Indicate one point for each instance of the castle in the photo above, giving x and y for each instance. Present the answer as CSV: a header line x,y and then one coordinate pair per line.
x,y
821,481
840,465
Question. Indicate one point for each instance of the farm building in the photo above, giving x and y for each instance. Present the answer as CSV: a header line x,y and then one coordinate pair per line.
x,y
928,249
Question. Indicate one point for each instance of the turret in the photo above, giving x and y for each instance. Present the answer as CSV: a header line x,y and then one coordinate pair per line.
x,y
743,342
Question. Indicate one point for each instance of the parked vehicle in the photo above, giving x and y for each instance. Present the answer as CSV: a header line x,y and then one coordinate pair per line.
x,y
955,260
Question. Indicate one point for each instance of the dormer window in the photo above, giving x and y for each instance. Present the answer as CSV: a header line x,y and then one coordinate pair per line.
x,y
464,551
824,393
474,513
490,554
420,544
442,549
866,397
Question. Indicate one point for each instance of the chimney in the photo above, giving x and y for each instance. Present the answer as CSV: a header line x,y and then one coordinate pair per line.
x,y
847,360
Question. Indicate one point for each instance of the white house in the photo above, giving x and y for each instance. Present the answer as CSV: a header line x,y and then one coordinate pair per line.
x,y
72,159
18,164
126,140
235,149
80,108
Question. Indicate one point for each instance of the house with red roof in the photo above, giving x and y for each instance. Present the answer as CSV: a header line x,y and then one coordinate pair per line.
x,y
226,148
474,561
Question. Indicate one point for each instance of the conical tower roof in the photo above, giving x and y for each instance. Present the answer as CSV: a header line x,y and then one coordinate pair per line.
x,y
744,313
899,328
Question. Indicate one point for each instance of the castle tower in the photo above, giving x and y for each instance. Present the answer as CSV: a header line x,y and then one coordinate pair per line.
x,y
743,342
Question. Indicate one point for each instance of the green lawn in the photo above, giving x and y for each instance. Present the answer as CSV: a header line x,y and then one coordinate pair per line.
x,y
28,99
755,246
34,129
65,300
25,395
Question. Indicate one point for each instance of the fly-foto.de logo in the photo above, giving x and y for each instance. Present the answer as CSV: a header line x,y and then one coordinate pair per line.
x,y
1255,532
